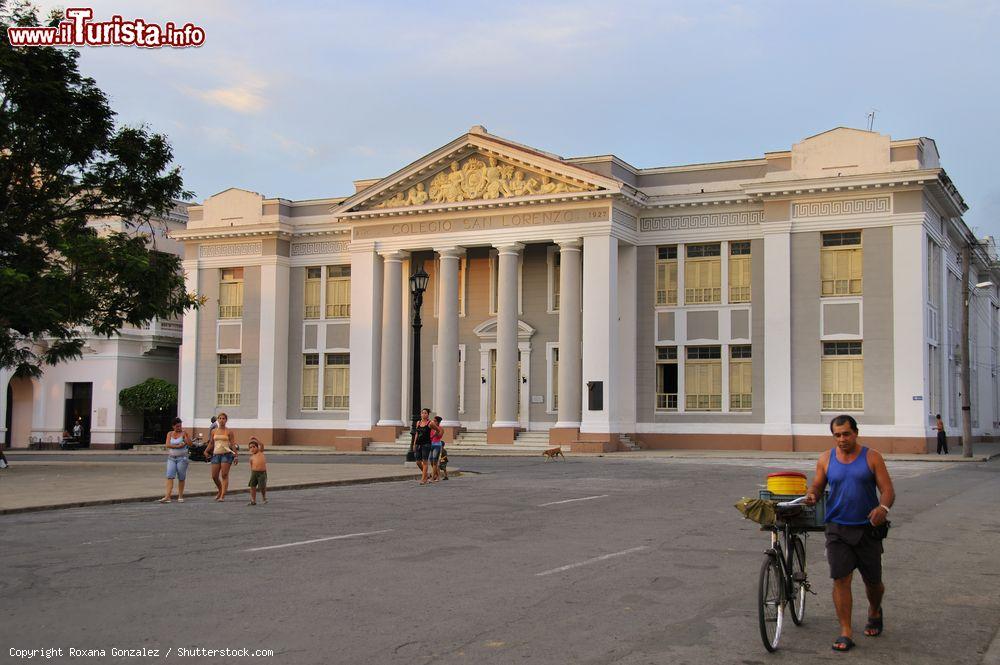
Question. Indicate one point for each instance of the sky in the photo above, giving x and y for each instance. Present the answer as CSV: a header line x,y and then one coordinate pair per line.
x,y
299,99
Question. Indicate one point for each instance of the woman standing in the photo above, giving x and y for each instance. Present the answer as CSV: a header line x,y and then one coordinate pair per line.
x,y
223,451
437,445
177,461
422,443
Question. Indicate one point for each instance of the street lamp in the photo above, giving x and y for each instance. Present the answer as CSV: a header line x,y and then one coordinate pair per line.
x,y
965,369
418,284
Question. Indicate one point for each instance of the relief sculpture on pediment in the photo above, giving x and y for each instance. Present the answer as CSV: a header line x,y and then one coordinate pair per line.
x,y
476,179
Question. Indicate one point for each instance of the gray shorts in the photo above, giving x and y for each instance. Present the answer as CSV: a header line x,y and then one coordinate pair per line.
x,y
849,547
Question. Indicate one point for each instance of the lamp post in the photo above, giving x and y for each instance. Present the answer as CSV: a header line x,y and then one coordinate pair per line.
x,y
966,372
418,284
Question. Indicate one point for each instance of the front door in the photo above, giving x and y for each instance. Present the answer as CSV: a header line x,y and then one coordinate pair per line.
x,y
520,388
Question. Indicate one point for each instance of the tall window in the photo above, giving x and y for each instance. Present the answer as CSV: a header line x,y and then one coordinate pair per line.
x,y
338,291
314,282
740,384
555,378
840,264
739,271
703,274
310,382
556,265
227,380
666,275
337,381
703,378
843,376
666,378
231,294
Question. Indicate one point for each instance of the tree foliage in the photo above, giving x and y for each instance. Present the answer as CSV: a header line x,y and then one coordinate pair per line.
x,y
150,395
64,162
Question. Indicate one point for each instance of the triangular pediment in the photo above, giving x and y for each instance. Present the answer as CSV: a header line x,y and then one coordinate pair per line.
x,y
477,167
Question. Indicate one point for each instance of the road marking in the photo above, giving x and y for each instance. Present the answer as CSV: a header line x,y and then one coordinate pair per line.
x,y
317,540
586,498
589,561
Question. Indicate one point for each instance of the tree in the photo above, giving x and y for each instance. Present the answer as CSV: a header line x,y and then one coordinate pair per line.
x,y
156,400
63,162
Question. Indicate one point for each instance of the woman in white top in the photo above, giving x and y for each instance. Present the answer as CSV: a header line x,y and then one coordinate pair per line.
x,y
177,461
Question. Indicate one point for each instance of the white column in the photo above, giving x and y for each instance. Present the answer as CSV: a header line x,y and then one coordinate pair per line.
x,y
446,365
570,325
366,334
272,402
189,350
600,326
624,405
391,404
909,350
778,327
506,381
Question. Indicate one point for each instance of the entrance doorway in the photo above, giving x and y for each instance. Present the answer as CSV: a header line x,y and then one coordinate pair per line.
x,y
20,401
521,409
78,403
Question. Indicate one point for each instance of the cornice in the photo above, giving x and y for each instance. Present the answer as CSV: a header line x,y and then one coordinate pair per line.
x,y
281,231
848,183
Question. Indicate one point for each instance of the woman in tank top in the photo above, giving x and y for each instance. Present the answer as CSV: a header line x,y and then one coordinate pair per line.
x,y
224,451
177,461
422,443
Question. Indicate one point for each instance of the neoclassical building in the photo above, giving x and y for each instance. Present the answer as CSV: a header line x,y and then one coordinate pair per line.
x,y
38,410
737,304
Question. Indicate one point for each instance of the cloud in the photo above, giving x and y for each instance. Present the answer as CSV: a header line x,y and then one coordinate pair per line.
x,y
244,98
293,147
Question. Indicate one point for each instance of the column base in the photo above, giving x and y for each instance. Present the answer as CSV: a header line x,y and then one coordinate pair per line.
x,y
501,435
451,432
386,433
597,442
354,442
562,436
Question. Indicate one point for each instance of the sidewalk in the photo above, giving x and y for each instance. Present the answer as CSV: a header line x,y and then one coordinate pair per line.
x,y
30,485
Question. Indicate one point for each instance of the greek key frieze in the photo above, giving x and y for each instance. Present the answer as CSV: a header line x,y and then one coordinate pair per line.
x,y
701,221
232,249
325,247
867,206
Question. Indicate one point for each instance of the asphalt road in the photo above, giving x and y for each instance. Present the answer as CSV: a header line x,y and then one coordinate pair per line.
x,y
585,561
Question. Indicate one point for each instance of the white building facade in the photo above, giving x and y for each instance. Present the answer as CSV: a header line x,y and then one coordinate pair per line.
x,y
37,411
729,305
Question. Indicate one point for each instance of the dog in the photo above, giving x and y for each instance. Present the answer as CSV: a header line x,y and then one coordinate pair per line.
x,y
553,453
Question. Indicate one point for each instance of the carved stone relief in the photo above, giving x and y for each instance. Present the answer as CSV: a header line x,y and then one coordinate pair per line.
x,y
864,206
701,221
232,249
325,247
476,179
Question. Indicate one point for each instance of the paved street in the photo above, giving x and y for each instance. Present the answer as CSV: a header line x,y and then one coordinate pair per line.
x,y
592,560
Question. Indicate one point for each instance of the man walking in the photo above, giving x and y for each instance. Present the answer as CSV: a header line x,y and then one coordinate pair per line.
x,y
942,437
853,513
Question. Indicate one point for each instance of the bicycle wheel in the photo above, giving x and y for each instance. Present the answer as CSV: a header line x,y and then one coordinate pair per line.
x,y
770,602
799,586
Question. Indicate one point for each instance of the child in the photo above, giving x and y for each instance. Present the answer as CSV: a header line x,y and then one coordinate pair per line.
x,y
443,464
258,471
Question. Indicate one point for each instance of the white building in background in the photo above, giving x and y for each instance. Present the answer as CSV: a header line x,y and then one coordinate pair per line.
x,y
738,304
37,411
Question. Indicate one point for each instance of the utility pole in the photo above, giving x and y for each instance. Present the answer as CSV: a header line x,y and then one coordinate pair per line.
x,y
966,383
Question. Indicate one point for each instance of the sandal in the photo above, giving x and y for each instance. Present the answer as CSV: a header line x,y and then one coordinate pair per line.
x,y
874,626
843,643
164,500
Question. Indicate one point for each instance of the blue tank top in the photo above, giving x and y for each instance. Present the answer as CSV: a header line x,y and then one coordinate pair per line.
x,y
852,490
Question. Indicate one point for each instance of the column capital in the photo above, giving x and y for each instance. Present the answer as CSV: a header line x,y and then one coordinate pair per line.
x,y
394,254
574,243
508,247
450,252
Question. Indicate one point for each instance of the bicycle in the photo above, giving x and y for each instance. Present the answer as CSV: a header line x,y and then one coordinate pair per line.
x,y
783,581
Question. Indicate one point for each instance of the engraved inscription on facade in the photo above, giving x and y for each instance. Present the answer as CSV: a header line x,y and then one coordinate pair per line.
x,y
326,247
701,221
232,249
865,206
481,223
476,179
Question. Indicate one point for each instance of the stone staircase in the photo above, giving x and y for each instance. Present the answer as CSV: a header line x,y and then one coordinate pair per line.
x,y
526,443
632,445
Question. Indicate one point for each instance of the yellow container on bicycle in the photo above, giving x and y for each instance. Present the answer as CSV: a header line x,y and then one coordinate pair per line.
x,y
786,482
